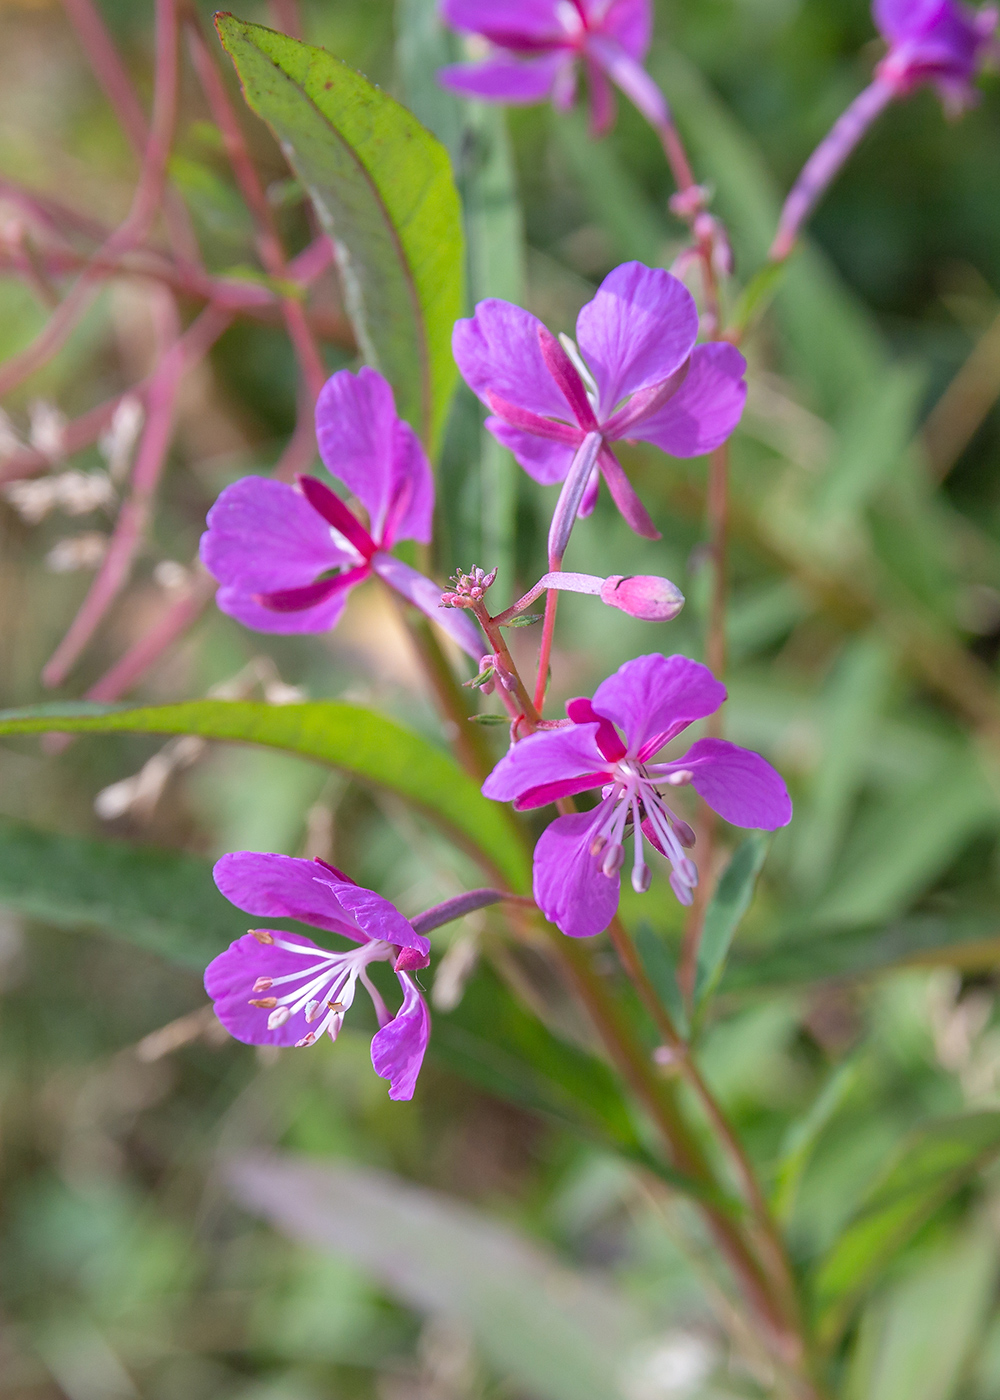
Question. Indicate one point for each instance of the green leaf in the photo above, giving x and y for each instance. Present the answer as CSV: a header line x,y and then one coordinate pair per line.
x,y
729,903
548,1331
159,900
959,939
347,737
525,620
932,1164
914,1343
874,429
383,189
803,1134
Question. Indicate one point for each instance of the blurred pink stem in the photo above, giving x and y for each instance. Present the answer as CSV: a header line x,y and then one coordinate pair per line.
x,y
132,518
287,17
181,614
140,217
825,162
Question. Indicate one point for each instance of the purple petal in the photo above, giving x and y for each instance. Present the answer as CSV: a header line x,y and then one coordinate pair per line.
x,y
631,23
284,887
378,458
657,695
569,886
640,327
740,785
501,20
518,81
705,409
631,78
264,535
230,978
398,1048
546,461
379,918
425,594
899,19
549,756
498,351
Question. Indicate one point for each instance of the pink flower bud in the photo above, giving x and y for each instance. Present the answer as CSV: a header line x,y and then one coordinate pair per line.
x,y
644,596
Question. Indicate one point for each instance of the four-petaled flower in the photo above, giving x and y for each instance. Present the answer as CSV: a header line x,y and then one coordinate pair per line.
x,y
578,858
637,374
537,44
287,557
276,988
935,41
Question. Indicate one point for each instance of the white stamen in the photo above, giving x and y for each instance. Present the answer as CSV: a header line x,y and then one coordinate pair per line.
x,y
613,861
278,1017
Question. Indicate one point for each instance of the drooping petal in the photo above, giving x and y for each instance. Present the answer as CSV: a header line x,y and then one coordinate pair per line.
x,y
505,21
655,696
738,784
378,458
569,886
631,23
497,350
284,887
706,408
425,594
503,78
398,1048
380,919
638,330
548,756
546,461
264,535
230,979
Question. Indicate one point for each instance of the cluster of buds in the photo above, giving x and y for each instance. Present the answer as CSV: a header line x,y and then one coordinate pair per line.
x,y
467,590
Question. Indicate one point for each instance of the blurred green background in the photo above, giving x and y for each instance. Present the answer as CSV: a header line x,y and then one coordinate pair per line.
x,y
864,632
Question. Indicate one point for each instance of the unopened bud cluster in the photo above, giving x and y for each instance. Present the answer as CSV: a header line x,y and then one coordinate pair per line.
x,y
468,589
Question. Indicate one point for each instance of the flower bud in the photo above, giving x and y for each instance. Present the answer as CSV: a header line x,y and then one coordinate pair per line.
x,y
644,596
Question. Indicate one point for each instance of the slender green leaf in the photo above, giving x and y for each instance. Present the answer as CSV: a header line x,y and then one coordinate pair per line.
x,y
875,429
729,903
934,1162
347,737
555,1334
803,1134
159,900
913,1344
383,189
959,939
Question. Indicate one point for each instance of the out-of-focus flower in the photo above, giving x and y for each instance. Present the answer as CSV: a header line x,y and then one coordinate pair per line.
x,y
75,492
77,552
536,46
941,42
935,41
578,858
117,443
287,557
47,431
636,374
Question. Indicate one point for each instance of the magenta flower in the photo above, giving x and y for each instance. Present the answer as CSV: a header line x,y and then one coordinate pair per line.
x,y
287,557
940,42
578,858
537,44
934,41
637,374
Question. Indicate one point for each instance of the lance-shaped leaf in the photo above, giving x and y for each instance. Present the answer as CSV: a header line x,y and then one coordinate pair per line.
x,y
347,737
934,1162
383,189
729,903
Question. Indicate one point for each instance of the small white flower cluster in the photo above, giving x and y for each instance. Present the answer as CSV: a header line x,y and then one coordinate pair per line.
x,y
75,492
76,552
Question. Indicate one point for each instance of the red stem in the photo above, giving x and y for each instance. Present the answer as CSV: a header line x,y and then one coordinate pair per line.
x,y
175,620
132,518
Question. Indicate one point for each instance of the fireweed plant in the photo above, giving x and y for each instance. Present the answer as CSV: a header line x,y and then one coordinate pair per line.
x,y
653,360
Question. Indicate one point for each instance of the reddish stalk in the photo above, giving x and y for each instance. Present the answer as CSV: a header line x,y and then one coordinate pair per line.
x,y
139,219
175,620
132,519
269,246
287,17
117,86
